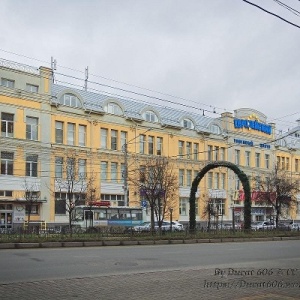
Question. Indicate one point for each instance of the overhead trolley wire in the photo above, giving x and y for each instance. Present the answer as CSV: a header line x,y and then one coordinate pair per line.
x,y
271,13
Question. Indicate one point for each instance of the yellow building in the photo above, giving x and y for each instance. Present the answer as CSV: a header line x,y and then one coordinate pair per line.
x,y
25,148
46,128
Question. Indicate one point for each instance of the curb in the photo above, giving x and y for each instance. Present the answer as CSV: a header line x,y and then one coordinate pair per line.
x,y
142,242
93,244
26,245
51,245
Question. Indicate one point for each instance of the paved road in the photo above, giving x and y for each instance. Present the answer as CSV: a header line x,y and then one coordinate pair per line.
x,y
254,270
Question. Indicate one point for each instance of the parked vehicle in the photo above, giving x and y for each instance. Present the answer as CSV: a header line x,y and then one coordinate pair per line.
x,y
144,227
265,225
176,226
165,226
283,227
228,226
295,226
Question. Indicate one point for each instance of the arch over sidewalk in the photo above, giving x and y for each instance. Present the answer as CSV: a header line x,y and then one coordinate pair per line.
x,y
244,180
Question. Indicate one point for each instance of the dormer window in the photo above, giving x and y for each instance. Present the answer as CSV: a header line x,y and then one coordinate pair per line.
x,y
150,116
70,100
113,108
186,123
282,143
215,129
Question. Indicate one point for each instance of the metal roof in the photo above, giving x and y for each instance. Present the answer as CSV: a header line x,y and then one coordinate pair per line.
x,y
167,116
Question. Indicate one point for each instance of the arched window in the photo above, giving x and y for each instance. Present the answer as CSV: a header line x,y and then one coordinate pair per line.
x,y
186,123
113,108
282,143
215,129
70,100
150,116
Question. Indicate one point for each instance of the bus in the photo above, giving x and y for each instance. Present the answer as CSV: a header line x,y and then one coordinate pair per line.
x,y
99,216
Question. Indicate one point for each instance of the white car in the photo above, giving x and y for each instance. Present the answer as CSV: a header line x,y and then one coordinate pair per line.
x,y
265,225
176,226
165,226
144,227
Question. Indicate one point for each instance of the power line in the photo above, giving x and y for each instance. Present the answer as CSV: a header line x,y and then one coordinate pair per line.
x,y
273,14
122,96
139,94
292,10
110,79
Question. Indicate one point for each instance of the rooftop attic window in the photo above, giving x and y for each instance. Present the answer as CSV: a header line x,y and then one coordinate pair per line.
x,y
150,116
186,123
70,100
215,129
282,143
113,108
8,83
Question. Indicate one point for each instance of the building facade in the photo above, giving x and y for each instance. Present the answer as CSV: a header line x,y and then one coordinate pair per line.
x,y
48,129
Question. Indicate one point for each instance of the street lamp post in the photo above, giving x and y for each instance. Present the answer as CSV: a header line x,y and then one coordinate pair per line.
x,y
233,218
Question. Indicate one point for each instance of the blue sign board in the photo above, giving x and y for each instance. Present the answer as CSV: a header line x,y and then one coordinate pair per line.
x,y
250,124
250,143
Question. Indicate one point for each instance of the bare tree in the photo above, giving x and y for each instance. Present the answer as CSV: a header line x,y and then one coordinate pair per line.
x,y
91,196
74,186
210,210
31,195
279,191
156,182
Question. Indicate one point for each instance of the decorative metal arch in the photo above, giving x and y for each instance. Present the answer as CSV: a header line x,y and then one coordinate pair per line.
x,y
243,178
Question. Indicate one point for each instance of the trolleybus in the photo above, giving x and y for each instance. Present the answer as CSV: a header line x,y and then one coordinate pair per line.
x,y
99,216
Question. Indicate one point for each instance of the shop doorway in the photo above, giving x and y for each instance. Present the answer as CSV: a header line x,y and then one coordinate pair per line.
x,y
6,219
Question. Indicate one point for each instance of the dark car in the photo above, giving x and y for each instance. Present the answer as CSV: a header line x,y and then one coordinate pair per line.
x,y
283,227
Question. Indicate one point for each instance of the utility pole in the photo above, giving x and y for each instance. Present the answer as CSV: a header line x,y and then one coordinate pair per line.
x,y
125,174
86,78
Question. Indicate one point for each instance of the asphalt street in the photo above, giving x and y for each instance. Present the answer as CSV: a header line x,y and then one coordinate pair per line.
x,y
248,270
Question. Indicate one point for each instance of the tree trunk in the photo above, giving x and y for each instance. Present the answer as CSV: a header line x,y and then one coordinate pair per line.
x,y
152,218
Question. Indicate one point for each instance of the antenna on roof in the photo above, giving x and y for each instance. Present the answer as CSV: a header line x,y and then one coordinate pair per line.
x,y
53,67
53,63
86,78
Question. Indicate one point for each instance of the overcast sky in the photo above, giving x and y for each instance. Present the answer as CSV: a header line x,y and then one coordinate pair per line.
x,y
215,54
